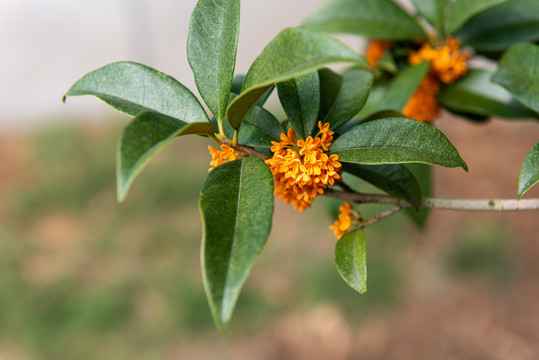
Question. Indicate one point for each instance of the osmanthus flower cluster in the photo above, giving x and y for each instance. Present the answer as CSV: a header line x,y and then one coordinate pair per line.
x,y
339,124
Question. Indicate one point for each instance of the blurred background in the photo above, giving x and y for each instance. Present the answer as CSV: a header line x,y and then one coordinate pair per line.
x,y
82,277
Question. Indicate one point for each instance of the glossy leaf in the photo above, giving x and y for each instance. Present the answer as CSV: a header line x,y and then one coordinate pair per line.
x,y
462,10
142,138
259,128
402,87
300,98
432,10
394,179
501,26
293,53
330,86
211,50
476,94
518,72
396,140
380,19
352,95
236,204
351,259
132,88
529,175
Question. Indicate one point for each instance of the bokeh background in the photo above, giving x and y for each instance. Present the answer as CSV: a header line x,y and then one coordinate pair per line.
x,y
82,277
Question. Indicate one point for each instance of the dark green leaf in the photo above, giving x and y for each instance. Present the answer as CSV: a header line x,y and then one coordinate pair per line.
x,y
330,86
502,26
293,53
423,175
353,94
211,50
396,140
351,259
259,128
476,94
300,98
394,179
402,87
518,72
380,19
142,138
236,203
462,10
529,175
132,88
237,83
432,10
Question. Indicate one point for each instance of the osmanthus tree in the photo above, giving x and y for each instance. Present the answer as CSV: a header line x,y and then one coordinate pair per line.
x,y
362,120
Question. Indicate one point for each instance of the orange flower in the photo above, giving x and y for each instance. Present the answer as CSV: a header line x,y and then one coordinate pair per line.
x,y
344,222
423,105
301,170
376,50
222,156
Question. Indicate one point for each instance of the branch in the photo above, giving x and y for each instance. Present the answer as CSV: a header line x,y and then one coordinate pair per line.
x,y
435,203
251,152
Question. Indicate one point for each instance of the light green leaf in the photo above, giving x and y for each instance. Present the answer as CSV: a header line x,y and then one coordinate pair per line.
x,y
143,138
351,259
211,50
396,140
529,175
380,19
432,10
132,88
518,72
394,179
300,98
402,87
502,26
352,96
462,10
293,53
236,204
476,94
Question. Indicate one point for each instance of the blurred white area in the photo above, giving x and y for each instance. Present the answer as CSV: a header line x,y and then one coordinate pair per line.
x,y
48,45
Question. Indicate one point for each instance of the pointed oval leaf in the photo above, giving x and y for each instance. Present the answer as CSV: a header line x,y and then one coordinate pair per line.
x,y
423,174
259,128
518,72
380,19
236,204
394,179
293,53
432,10
529,175
462,10
351,98
476,94
211,50
300,99
351,259
145,136
403,86
396,140
132,88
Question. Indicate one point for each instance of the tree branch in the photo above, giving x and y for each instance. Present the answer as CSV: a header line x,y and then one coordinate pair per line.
x,y
435,203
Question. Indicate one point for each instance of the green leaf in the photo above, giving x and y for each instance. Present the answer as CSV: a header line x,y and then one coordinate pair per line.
x,y
300,98
502,26
211,50
476,94
352,96
132,88
380,19
402,87
330,86
462,10
423,175
236,204
351,259
237,83
259,128
396,140
294,52
394,179
432,10
518,72
144,137
529,175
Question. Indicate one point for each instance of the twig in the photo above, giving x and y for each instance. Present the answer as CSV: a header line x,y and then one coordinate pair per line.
x,y
382,215
251,152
